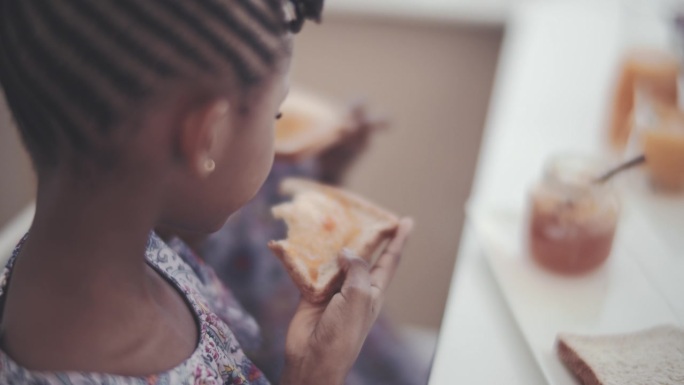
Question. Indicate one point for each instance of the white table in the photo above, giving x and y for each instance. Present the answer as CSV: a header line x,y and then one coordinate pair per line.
x,y
555,75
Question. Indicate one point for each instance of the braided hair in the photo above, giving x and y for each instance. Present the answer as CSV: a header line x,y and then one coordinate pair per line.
x,y
71,69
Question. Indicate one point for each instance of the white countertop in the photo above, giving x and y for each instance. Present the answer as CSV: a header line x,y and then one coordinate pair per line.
x,y
551,94
489,12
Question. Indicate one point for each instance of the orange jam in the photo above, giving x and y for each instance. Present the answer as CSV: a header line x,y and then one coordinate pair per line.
x,y
329,224
572,221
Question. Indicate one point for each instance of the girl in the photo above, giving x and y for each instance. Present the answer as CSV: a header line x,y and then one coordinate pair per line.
x,y
140,114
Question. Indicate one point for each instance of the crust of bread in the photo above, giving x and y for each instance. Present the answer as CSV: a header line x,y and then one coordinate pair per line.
x,y
312,293
303,282
576,364
306,287
292,186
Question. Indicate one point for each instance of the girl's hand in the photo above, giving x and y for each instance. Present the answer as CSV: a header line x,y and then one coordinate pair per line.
x,y
323,341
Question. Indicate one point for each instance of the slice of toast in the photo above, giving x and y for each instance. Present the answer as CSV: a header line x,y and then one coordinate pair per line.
x,y
309,124
323,220
652,356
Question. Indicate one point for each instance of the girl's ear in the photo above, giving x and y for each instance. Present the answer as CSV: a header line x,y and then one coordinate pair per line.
x,y
200,136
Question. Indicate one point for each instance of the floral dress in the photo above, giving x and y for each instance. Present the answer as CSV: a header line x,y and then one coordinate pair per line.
x,y
218,358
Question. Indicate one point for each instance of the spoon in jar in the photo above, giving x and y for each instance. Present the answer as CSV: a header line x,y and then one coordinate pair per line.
x,y
620,168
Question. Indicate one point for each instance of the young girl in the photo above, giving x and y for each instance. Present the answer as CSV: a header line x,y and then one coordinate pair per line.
x,y
140,114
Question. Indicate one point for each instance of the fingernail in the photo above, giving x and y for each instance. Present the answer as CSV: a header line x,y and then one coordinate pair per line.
x,y
347,253
344,259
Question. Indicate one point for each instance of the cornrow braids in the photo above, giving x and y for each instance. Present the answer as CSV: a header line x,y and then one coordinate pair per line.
x,y
71,69
303,10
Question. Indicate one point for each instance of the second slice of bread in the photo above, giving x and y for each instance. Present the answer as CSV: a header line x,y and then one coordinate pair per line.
x,y
653,356
309,125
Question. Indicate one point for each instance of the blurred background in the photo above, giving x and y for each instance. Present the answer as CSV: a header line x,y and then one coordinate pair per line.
x,y
430,67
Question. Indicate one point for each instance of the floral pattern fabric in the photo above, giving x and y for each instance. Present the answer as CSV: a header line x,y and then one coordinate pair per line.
x,y
218,358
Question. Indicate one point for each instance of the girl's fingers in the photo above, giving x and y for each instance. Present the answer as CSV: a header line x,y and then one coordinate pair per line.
x,y
357,282
382,273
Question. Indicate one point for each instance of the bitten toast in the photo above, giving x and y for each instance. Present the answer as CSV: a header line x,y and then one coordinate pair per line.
x,y
323,220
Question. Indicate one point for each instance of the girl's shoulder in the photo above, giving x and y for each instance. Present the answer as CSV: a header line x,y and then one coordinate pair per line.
x,y
217,358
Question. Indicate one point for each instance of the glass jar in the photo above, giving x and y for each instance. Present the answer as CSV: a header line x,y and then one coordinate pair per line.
x,y
650,64
572,219
646,77
663,145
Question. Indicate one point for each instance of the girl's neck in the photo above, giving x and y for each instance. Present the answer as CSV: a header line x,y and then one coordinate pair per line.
x,y
90,237
81,279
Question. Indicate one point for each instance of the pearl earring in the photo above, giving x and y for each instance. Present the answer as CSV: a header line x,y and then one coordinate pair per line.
x,y
209,165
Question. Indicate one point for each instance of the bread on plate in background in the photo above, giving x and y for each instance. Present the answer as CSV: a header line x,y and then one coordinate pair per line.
x,y
310,124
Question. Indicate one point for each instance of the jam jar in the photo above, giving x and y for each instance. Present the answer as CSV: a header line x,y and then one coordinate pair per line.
x,y
572,218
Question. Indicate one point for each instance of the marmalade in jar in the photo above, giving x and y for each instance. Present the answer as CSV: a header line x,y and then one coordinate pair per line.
x,y
572,219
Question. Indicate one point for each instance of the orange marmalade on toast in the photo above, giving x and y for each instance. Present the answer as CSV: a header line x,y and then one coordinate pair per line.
x,y
331,226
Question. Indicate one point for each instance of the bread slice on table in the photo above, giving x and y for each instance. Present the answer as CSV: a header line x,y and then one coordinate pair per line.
x,y
309,124
652,356
321,221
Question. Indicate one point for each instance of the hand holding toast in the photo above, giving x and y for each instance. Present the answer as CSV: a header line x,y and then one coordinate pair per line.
x,y
321,221
324,340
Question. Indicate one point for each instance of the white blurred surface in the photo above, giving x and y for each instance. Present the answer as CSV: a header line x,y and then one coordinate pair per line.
x,y
551,91
476,11
619,297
